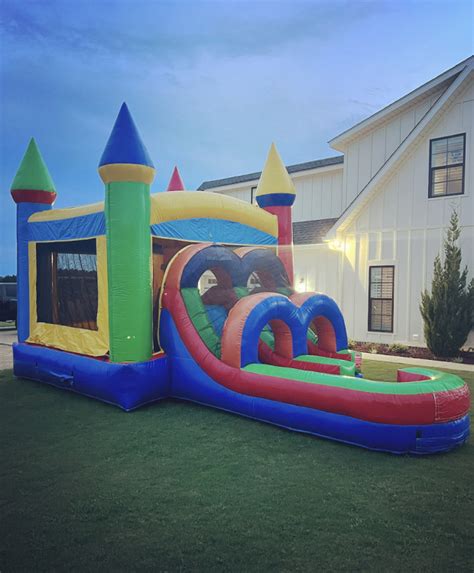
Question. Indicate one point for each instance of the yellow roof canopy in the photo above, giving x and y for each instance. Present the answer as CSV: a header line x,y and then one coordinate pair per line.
x,y
183,205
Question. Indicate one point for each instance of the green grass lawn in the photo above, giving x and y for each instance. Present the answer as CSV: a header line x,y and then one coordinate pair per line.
x,y
179,487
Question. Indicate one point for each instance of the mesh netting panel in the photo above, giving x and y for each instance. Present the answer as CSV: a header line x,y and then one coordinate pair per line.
x,y
67,292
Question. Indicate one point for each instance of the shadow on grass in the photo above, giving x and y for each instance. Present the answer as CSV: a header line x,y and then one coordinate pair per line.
x,y
176,486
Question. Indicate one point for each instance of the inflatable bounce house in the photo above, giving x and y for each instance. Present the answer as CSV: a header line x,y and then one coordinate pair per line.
x,y
111,305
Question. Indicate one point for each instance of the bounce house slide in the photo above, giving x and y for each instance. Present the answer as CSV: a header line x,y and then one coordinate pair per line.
x,y
424,412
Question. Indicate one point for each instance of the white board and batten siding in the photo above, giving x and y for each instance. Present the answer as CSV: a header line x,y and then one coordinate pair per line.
x,y
366,154
242,192
318,195
403,227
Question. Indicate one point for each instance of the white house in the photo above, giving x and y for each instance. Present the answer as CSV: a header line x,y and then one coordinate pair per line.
x,y
369,223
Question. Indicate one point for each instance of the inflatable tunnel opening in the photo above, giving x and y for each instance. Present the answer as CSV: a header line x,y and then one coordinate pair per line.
x,y
209,287
207,281
322,334
270,315
253,282
217,277
264,271
278,336
267,336
312,337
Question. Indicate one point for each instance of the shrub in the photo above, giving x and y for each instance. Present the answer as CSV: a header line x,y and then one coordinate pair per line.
x,y
448,310
396,348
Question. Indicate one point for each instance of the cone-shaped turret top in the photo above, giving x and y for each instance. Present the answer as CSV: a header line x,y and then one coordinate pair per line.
x,y
33,183
125,156
275,187
176,183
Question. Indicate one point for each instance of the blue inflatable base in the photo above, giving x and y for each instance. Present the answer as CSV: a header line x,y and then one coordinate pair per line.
x,y
177,375
190,382
125,385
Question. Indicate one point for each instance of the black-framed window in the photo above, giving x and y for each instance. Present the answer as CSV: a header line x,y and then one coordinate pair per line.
x,y
381,281
447,157
253,191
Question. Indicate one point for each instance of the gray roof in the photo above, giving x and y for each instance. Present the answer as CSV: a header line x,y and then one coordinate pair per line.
x,y
311,232
253,176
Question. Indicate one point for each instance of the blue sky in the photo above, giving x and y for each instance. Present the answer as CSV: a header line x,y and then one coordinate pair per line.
x,y
210,84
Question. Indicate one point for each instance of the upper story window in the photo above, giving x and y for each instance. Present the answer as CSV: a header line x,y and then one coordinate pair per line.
x,y
447,155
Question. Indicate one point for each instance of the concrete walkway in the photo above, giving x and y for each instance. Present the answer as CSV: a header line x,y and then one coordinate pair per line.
x,y
419,362
7,338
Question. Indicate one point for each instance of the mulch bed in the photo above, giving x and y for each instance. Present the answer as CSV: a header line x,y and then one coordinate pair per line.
x,y
408,351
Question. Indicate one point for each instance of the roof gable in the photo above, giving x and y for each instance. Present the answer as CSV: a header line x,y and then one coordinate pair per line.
x,y
437,84
402,151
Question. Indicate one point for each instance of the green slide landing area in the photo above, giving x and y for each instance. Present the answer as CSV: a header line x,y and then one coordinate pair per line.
x,y
438,381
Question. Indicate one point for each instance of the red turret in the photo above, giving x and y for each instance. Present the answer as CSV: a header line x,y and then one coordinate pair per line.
x,y
176,183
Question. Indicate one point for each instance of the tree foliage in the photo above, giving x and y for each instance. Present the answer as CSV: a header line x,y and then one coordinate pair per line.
x,y
448,311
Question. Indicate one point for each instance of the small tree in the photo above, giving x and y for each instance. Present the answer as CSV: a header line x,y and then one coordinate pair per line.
x,y
448,312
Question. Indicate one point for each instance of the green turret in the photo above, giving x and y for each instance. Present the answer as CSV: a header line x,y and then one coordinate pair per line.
x,y
127,171
32,190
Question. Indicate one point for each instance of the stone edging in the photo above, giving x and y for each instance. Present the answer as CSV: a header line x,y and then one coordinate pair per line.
x,y
419,362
